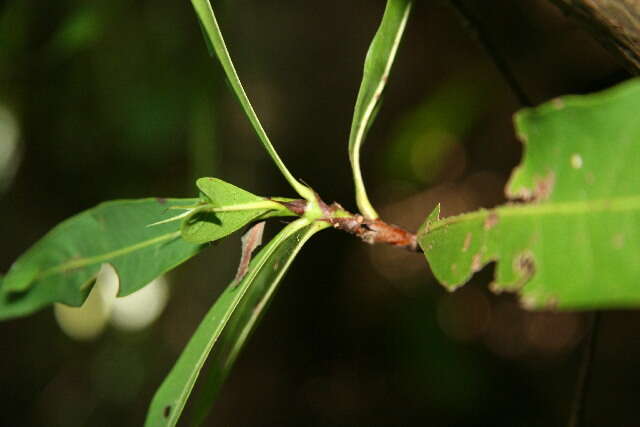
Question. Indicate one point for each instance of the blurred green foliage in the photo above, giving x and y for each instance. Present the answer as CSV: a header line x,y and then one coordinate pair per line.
x,y
431,133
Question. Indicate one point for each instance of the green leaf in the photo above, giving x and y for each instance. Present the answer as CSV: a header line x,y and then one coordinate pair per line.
x,y
62,266
229,322
433,217
215,42
225,209
574,241
377,66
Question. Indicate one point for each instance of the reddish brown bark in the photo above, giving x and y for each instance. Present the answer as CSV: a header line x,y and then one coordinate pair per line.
x,y
371,231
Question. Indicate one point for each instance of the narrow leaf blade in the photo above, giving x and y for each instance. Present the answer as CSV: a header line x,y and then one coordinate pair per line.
x,y
572,241
209,23
62,266
229,322
377,66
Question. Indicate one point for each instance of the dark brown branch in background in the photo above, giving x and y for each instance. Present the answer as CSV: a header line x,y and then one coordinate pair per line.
x,y
584,374
615,23
475,27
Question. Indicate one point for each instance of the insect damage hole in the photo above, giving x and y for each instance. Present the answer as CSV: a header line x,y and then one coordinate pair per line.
x,y
524,263
167,411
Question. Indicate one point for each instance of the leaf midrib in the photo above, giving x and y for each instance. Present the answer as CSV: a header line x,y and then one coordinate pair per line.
x,y
550,208
83,262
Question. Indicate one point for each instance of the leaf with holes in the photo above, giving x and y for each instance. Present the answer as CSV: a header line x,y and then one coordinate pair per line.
x,y
224,208
229,322
62,266
571,238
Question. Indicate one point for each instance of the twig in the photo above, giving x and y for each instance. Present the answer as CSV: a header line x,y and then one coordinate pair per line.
x,y
371,231
475,27
374,231
584,374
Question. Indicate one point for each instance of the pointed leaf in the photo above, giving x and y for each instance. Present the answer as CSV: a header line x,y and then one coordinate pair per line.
x,y
228,323
377,66
62,266
225,208
574,241
433,217
216,42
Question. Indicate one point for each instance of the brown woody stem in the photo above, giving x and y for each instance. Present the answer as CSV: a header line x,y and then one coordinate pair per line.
x,y
371,231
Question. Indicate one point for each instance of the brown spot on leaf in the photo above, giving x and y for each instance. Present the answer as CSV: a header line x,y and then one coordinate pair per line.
x,y
544,187
558,103
525,264
476,262
618,240
491,221
167,411
161,200
467,242
552,303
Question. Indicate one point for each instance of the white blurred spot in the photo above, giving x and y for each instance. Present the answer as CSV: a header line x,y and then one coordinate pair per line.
x,y
87,322
141,308
9,149
131,313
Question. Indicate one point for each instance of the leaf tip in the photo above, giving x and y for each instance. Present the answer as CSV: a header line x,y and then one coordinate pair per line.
x,y
434,216
20,278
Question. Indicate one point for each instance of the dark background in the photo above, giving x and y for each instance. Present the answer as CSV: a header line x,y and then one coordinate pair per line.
x,y
119,99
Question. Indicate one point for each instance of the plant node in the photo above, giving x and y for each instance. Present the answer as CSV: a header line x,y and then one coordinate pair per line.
x,y
371,231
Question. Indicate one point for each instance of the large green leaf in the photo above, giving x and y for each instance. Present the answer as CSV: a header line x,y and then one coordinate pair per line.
x,y
62,266
216,43
572,239
225,209
228,323
377,66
